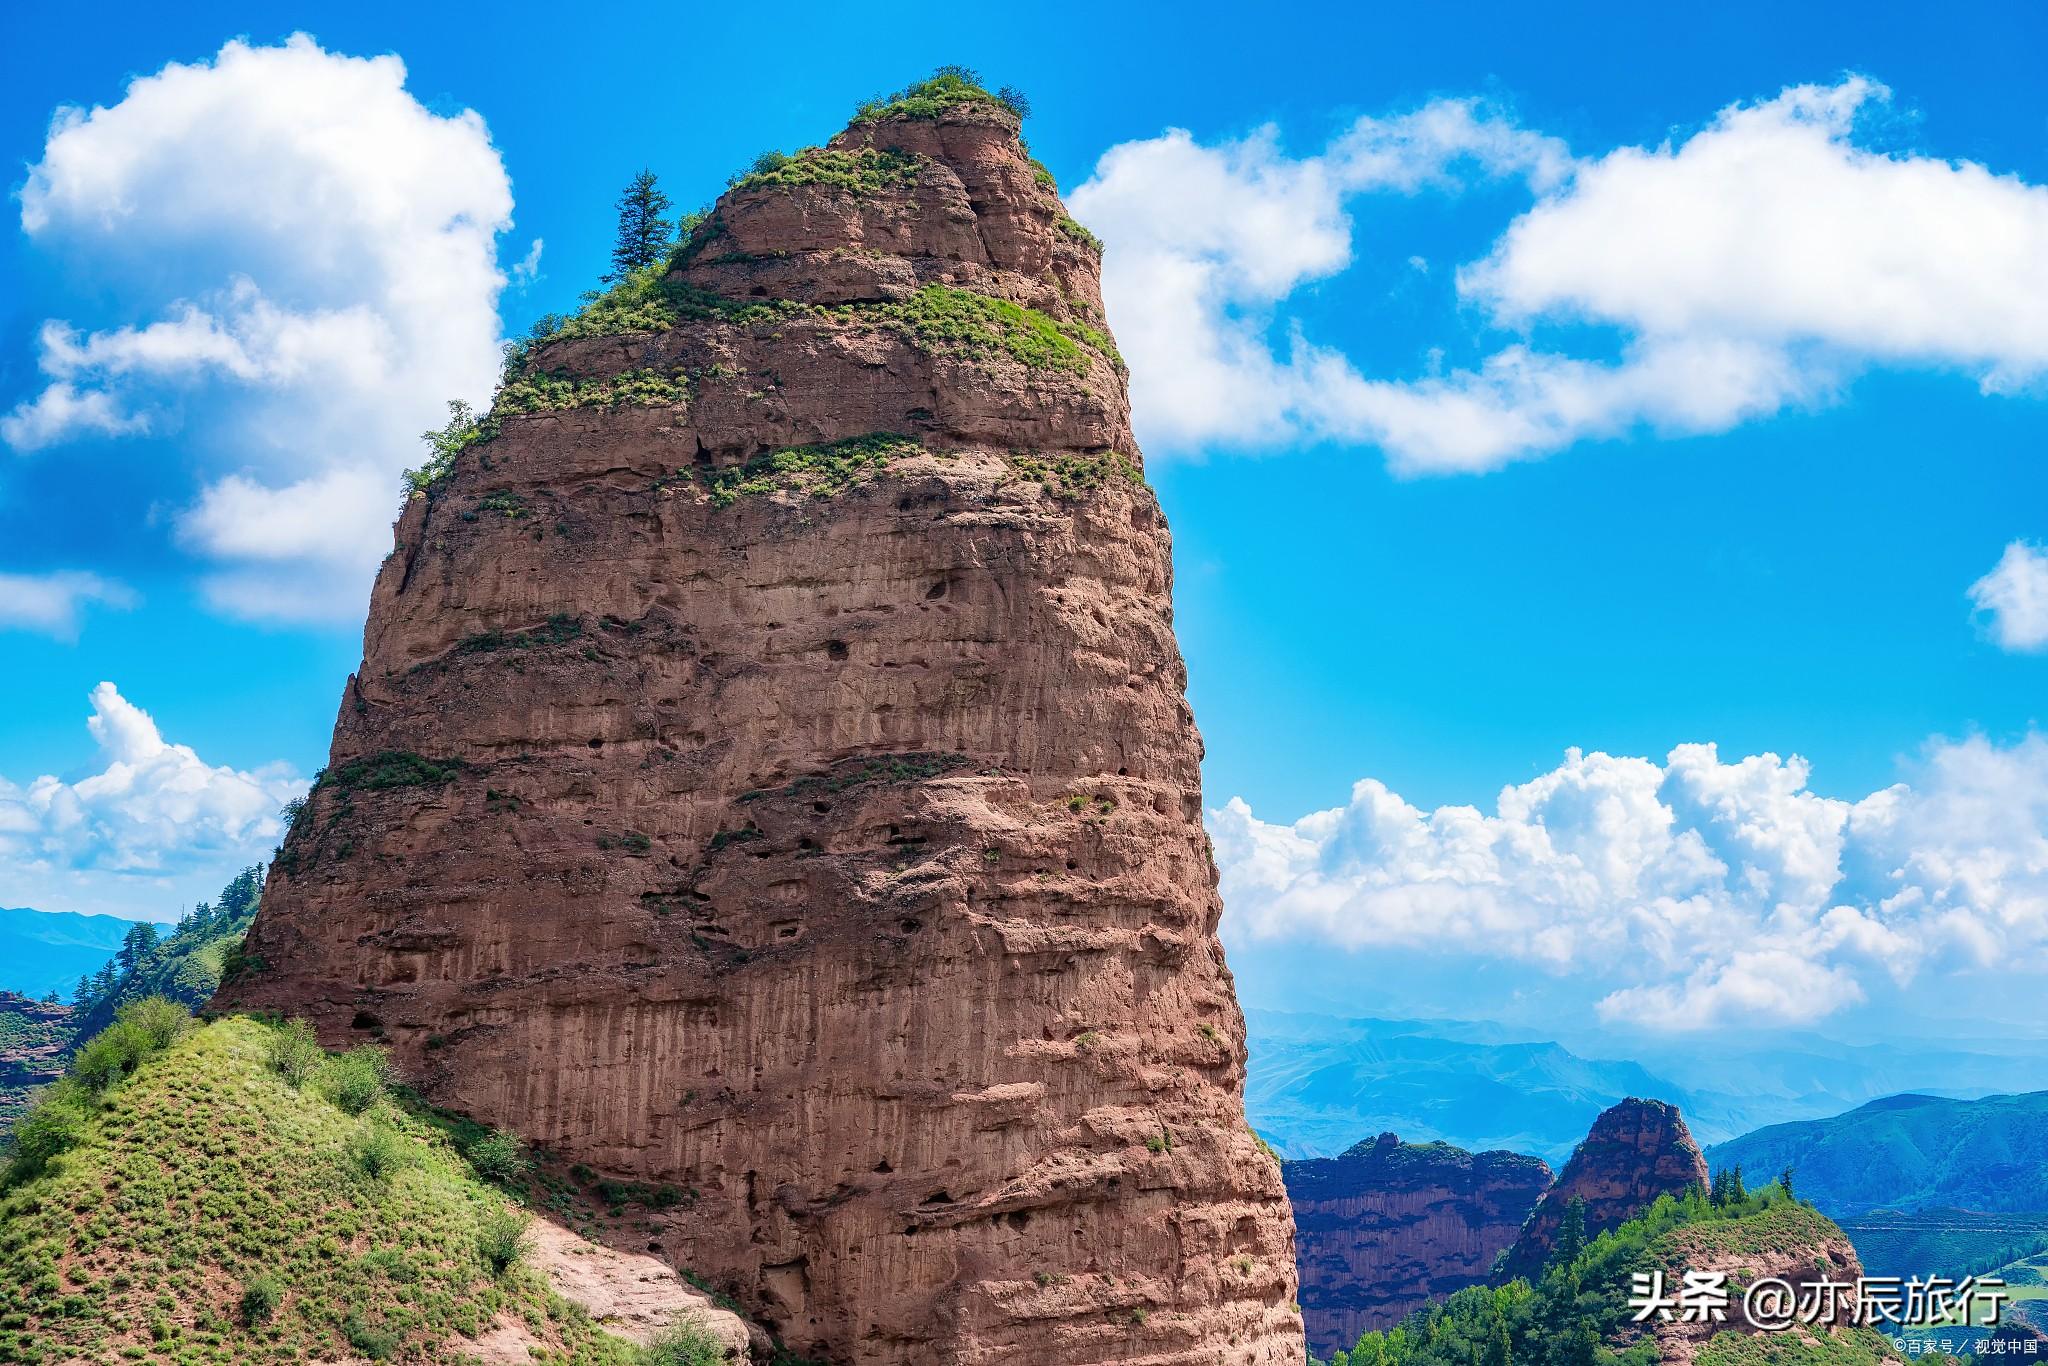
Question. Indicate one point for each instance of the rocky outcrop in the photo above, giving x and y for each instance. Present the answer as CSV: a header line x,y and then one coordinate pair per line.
x,y
770,774
33,1038
636,1296
1636,1151
1390,1226
1793,1244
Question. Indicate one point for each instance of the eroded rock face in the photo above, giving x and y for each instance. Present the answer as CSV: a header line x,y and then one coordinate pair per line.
x,y
836,860
1390,1226
1636,1151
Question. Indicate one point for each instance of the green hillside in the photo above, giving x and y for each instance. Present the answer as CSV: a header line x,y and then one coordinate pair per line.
x,y
1578,1315
1948,1242
1910,1153
227,1193
184,965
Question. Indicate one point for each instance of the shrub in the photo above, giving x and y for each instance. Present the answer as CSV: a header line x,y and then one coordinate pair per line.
x,y
355,1080
51,1128
112,1054
260,1298
685,1344
295,1052
377,1149
499,1157
378,1344
161,1021
501,1238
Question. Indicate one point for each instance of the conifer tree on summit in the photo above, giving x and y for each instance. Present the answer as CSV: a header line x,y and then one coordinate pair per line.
x,y
644,232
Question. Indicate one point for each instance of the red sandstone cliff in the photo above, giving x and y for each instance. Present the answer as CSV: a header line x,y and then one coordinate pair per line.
x,y
1391,1226
816,827
1636,1151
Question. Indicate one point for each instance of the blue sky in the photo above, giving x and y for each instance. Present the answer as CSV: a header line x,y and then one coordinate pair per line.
x,y
1794,580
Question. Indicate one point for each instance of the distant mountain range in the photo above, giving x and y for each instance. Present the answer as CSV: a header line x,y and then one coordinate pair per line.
x,y
45,951
1318,1084
1910,1153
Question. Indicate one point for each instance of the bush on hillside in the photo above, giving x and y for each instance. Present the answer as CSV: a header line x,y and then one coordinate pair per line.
x,y
260,1298
295,1052
355,1081
686,1344
54,1126
376,1149
502,1239
498,1157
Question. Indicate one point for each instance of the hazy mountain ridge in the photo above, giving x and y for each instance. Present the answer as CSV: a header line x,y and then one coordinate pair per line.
x,y
45,951
1318,1084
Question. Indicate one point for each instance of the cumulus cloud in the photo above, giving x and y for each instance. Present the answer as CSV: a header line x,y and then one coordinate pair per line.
x,y
151,813
314,252
1697,893
2014,595
50,603
1763,261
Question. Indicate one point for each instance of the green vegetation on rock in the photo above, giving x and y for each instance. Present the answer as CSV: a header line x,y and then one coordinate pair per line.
x,y
957,322
820,471
861,171
388,769
1073,474
1577,1314
1073,231
946,89
207,1209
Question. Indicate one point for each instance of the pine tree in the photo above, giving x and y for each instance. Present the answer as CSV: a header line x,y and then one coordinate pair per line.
x,y
1499,1351
138,947
644,232
1571,1233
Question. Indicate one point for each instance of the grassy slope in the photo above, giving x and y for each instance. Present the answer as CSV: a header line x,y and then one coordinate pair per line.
x,y
205,1171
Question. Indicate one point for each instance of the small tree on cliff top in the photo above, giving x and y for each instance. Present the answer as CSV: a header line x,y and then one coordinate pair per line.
x,y
644,231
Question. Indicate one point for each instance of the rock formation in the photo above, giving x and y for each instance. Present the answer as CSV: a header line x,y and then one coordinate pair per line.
x,y
769,774
1636,1151
33,1038
1390,1226
1802,1249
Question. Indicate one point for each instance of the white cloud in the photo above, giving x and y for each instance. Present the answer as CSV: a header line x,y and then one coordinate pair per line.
x,y
50,603
61,412
1761,262
1695,893
2015,594
315,251
153,815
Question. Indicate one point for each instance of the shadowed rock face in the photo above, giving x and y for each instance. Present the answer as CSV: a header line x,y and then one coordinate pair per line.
x,y
1390,1226
836,859
1636,1151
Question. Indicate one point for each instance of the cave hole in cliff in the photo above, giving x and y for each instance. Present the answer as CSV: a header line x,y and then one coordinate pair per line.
x,y
883,1168
1017,1219
910,925
596,742
821,807
936,591
836,649
365,1020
